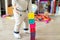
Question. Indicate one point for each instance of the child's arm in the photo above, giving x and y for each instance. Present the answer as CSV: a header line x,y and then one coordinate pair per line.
x,y
30,6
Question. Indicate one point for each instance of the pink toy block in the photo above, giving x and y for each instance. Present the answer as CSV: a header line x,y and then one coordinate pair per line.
x,y
32,25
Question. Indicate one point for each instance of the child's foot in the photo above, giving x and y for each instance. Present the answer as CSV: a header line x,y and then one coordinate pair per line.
x,y
17,35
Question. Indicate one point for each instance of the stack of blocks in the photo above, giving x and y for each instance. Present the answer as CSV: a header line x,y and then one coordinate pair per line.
x,y
32,25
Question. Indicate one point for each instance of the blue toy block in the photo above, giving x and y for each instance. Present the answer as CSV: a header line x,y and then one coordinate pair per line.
x,y
31,21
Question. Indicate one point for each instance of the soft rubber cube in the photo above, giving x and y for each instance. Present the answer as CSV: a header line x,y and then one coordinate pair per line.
x,y
32,30
31,15
32,25
33,36
31,21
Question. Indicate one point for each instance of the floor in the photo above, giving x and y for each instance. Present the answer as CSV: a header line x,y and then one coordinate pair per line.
x,y
50,31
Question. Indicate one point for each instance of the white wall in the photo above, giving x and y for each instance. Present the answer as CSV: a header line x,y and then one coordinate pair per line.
x,y
6,6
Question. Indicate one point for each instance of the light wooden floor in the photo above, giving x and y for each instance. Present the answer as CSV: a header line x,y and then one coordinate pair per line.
x,y
50,31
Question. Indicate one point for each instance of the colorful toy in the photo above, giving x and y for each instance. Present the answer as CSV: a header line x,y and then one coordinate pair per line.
x,y
32,25
4,16
43,17
31,15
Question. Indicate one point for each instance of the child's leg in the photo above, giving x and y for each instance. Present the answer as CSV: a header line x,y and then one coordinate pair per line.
x,y
18,22
26,23
26,27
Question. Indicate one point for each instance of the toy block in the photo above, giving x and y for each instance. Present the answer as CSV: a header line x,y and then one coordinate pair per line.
x,y
32,39
32,30
33,36
31,21
31,15
32,25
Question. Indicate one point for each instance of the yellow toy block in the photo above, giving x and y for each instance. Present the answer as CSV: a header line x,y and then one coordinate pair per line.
x,y
31,15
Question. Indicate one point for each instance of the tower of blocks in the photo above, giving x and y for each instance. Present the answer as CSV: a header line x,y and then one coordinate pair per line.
x,y
32,25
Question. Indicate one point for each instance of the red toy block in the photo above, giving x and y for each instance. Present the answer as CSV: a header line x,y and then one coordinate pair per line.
x,y
33,30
